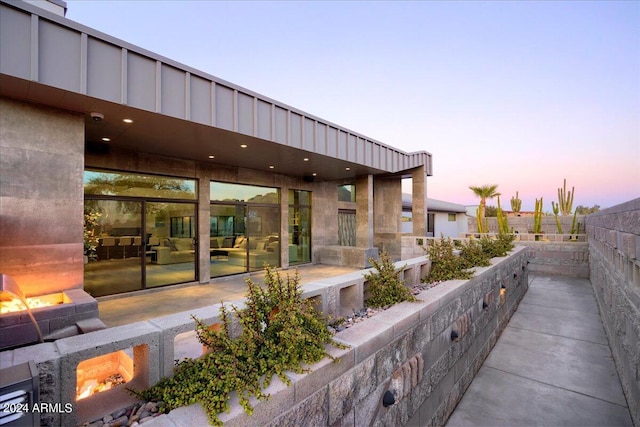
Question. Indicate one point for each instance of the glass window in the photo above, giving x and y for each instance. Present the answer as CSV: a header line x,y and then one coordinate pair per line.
x,y
245,228
452,217
107,183
347,193
225,192
299,227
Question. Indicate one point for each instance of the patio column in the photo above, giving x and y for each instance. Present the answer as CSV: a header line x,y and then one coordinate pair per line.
x,y
364,211
284,227
419,201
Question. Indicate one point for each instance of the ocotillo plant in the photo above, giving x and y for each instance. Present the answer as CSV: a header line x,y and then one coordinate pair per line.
x,y
537,217
503,223
516,203
565,199
556,210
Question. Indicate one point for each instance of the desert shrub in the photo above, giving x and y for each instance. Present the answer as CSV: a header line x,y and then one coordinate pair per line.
x,y
499,246
280,332
445,263
472,254
385,285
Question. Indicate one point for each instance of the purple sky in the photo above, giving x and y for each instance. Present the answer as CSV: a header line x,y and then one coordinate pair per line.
x,y
519,94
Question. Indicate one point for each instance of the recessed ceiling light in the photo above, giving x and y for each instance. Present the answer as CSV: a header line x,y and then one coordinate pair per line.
x,y
105,139
212,156
306,159
243,145
127,120
347,169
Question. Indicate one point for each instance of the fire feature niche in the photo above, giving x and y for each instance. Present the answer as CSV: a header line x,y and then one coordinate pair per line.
x,y
101,381
103,373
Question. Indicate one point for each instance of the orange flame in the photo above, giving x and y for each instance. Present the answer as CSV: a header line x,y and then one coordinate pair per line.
x,y
14,304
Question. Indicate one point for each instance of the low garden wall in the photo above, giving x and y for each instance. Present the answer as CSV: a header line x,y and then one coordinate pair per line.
x,y
425,353
614,251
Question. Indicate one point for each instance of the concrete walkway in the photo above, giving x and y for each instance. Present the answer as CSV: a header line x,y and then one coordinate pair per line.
x,y
552,365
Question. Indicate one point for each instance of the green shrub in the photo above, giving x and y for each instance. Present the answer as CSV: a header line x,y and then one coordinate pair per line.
x,y
445,264
499,246
385,285
473,254
280,332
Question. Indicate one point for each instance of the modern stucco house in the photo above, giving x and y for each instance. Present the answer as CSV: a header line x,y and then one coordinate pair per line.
x,y
181,177
443,218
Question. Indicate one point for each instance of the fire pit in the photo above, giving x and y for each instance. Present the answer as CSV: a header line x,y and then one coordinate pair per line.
x,y
46,314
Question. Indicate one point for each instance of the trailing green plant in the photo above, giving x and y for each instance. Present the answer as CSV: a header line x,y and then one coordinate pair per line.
x,y
565,198
537,217
556,210
445,263
281,331
385,286
516,203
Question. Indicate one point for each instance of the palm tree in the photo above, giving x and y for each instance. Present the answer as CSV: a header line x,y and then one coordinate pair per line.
x,y
485,192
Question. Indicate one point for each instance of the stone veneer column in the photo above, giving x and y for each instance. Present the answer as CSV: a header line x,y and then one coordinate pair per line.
x,y
364,211
284,227
419,200
41,197
204,226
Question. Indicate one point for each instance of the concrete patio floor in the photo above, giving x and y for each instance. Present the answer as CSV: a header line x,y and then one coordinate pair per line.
x,y
144,305
552,365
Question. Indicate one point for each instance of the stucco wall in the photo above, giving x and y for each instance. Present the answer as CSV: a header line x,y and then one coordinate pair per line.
x,y
614,250
41,196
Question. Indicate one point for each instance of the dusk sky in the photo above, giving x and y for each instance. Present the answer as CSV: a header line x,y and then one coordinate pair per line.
x,y
519,94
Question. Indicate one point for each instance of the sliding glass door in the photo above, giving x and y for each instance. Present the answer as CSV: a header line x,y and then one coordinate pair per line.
x,y
245,228
133,238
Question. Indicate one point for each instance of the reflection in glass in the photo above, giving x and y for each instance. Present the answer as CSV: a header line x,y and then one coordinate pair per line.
x,y
299,227
170,255
245,229
113,262
107,183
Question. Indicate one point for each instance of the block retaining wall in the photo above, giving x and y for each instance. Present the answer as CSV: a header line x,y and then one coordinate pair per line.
x,y
406,349
614,251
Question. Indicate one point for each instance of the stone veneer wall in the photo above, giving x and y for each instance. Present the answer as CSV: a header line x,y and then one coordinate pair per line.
x,y
614,249
41,197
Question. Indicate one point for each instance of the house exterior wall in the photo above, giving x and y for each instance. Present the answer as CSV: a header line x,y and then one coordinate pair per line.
x,y
448,228
41,197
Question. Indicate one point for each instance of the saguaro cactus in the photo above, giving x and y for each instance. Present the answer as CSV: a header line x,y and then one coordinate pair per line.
x,y
537,217
516,203
565,199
